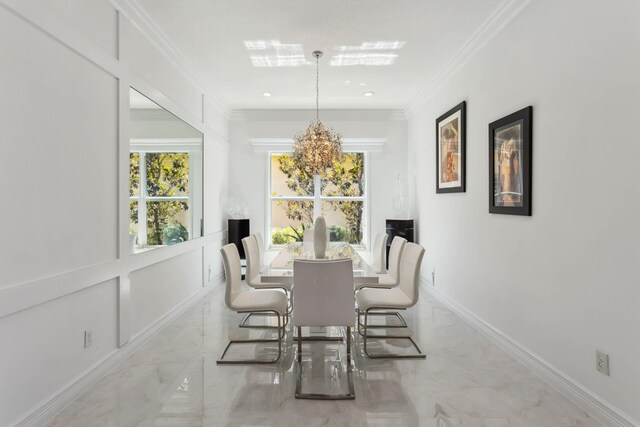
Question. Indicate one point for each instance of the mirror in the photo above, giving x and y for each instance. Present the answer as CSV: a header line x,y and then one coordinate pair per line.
x,y
165,176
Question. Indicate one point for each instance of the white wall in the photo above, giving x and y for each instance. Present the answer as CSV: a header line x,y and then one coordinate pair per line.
x,y
248,168
65,266
563,282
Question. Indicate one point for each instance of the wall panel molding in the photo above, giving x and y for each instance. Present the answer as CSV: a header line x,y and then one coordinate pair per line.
x,y
76,388
23,296
145,24
60,282
67,36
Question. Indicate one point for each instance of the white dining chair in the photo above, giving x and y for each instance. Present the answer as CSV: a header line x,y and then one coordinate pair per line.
x,y
254,278
324,297
389,280
380,252
392,277
255,301
403,296
260,242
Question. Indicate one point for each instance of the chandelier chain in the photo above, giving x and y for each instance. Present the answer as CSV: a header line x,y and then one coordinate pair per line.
x,y
317,88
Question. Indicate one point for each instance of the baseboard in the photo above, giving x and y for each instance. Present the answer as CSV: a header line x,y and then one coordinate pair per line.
x,y
55,404
594,405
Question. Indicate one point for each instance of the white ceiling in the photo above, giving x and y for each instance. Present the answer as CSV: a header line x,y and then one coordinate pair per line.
x,y
212,34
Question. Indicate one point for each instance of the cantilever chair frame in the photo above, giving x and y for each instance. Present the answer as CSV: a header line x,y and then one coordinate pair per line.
x,y
281,332
250,266
350,395
395,312
363,328
244,324
366,337
231,260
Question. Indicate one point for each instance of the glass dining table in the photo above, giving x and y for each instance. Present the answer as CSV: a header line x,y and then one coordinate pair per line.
x,y
280,270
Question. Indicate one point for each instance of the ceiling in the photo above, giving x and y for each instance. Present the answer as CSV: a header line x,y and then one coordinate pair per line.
x,y
246,47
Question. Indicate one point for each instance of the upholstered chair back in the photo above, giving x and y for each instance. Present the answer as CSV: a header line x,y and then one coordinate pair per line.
x,y
380,251
410,271
323,293
252,254
260,242
395,254
232,272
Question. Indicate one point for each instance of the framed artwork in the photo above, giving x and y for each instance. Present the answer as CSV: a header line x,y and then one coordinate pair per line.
x,y
451,134
510,164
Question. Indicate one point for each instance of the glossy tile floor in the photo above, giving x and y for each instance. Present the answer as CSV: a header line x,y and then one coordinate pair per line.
x,y
173,380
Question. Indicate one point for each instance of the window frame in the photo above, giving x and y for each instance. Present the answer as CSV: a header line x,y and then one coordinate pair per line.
x,y
193,147
317,197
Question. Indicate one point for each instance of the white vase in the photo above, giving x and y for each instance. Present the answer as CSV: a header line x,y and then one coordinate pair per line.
x,y
320,237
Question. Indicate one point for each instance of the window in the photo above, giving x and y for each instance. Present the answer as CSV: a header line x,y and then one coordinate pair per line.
x,y
296,198
163,203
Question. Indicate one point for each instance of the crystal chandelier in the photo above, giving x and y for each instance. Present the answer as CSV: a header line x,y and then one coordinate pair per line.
x,y
315,149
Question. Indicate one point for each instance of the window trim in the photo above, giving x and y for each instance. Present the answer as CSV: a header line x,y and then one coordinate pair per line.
x,y
193,147
317,197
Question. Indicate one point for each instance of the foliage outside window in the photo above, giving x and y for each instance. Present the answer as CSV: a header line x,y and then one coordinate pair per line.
x,y
338,194
163,201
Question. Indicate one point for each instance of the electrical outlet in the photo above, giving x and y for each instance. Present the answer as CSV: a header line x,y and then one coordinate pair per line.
x,y
88,338
433,277
602,362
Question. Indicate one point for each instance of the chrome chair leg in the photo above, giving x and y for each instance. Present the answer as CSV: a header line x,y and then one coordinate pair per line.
x,y
403,323
281,333
366,337
244,324
351,395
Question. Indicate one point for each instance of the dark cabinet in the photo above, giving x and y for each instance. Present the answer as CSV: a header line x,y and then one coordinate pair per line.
x,y
398,227
237,230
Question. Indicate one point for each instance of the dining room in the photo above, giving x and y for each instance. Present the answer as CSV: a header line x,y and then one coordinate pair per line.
x,y
283,213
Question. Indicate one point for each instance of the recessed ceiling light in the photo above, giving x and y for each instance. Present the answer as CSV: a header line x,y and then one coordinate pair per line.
x,y
369,93
363,84
347,82
267,94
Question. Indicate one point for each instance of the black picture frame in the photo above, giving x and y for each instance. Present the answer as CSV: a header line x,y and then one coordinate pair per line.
x,y
510,163
451,173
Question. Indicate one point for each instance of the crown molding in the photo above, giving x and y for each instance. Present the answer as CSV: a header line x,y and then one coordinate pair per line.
x,y
371,145
308,115
507,10
143,22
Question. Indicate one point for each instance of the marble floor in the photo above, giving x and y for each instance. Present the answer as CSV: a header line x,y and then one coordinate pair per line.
x,y
466,380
